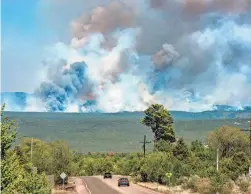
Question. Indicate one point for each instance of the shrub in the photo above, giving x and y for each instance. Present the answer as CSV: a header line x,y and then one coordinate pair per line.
x,y
182,181
157,164
192,183
163,146
228,188
143,177
197,184
218,181
204,186
236,165
243,183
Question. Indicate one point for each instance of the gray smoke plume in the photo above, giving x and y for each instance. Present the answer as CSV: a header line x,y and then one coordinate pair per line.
x,y
63,86
114,16
165,56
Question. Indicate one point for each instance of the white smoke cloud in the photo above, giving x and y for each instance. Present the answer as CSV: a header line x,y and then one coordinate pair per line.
x,y
126,55
34,104
127,95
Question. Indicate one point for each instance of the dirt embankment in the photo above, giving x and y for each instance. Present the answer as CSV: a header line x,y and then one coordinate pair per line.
x,y
76,185
165,189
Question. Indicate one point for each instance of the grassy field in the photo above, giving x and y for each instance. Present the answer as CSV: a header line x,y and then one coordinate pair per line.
x,y
107,132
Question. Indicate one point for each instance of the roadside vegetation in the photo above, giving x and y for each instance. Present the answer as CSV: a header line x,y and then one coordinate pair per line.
x,y
18,176
172,162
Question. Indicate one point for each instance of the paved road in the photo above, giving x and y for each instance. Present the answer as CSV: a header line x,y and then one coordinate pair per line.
x,y
96,186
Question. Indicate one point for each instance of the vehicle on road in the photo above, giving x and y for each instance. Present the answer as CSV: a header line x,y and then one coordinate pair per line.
x,y
107,175
123,182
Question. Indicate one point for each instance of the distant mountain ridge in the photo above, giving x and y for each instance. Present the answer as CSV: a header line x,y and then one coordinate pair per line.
x,y
218,112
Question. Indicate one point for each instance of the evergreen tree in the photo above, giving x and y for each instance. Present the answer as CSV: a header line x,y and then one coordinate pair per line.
x,y
160,121
181,150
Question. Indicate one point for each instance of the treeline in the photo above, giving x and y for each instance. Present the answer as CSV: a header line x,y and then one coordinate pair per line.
x,y
190,165
193,165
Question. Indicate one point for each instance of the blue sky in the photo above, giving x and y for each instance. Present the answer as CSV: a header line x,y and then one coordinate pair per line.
x,y
20,44
24,37
28,26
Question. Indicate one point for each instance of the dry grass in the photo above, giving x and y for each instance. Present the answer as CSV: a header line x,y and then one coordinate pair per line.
x,y
165,189
67,189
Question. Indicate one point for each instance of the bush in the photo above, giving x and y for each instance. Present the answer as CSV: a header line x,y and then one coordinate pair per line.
x,y
143,177
182,181
137,179
157,164
236,165
181,169
163,146
103,165
228,188
243,183
192,183
197,184
204,186
218,181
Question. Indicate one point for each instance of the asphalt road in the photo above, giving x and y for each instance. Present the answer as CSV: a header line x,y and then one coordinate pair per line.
x,y
96,186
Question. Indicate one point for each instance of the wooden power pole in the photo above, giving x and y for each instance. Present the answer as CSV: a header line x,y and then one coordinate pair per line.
x,y
144,145
249,132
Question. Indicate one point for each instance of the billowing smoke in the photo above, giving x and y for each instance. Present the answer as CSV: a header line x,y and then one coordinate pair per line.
x,y
125,55
64,86
165,56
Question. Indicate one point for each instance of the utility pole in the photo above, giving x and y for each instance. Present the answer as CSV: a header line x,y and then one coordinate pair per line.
x,y
31,148
217,160
144,145
249,132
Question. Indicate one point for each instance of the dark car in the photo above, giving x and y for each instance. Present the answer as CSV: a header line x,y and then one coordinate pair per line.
x,y
107,175
123,182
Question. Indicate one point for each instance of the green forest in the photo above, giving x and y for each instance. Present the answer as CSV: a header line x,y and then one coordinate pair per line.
x,y
171,162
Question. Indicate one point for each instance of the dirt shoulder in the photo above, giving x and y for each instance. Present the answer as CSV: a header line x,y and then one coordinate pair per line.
x,y
80,186
165,189
76,186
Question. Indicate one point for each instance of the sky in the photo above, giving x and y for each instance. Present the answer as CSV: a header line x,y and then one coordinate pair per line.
x,y
123,55
28,28
20,45
24,38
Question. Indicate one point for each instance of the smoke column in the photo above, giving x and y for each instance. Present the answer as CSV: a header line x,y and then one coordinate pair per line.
x,y
124,55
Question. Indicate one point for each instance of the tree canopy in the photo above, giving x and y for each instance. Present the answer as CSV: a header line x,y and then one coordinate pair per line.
x,y
160,121
229,140
17,177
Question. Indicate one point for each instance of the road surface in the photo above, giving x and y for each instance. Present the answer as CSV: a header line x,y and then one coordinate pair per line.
x,y
98,185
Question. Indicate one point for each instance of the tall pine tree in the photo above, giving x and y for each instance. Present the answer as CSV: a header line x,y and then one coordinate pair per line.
x,y
160,121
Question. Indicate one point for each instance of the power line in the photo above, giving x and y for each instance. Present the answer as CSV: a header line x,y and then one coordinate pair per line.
x,y
144,145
